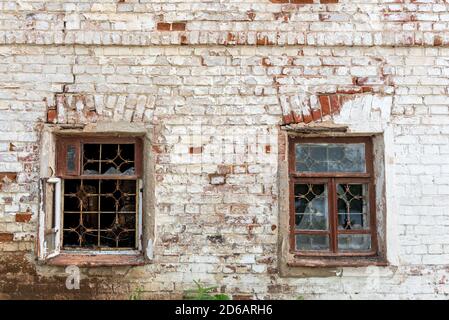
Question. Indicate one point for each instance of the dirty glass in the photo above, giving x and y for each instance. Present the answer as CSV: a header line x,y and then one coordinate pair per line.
x,y
71,158
352,203
330,157
311,207
314,242
354,242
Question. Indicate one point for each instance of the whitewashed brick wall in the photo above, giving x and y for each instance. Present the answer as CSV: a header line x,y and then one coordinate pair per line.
x,y
226,72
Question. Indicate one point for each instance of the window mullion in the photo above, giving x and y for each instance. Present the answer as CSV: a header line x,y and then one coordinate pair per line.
x,y
333,215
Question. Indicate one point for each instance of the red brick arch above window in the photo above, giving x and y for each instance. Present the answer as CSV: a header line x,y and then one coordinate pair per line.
x,y
328,105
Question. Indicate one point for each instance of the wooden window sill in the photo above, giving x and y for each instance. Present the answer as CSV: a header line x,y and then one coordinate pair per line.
x,y
337,262
96,260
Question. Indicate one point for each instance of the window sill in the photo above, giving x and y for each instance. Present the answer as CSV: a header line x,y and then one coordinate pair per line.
x,y
337,262
96,260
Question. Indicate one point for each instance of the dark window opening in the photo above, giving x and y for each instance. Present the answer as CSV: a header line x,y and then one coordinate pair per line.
x,y
100,202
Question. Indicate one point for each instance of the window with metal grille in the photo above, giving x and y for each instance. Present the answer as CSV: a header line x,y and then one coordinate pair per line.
x,y
332,197
100,192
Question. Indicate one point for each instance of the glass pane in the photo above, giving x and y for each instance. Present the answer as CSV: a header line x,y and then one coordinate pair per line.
x,y
71,158
354,242
309,242
352,203
108,159
311,211
330,157
91,159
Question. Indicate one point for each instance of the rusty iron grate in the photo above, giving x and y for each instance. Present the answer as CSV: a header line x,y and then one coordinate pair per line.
x,y
100,206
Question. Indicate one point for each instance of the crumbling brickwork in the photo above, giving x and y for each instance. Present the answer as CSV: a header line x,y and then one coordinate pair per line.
x,y
216,82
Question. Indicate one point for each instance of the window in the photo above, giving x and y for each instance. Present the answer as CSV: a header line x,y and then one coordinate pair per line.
x,y
100,192
332,197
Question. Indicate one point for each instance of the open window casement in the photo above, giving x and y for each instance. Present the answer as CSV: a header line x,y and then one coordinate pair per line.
x,y
64,155
50,218
49,210
93,202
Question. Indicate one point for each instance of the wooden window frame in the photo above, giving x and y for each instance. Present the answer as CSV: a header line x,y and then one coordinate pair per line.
x,y
62,144
332,179
122,255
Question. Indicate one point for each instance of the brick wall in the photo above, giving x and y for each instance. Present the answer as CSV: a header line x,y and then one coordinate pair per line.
x,y
213,76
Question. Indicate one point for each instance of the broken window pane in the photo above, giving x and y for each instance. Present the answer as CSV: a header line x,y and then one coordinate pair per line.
x,y
309,242
333,157
311,207
108,159
354,242
99,213
353,213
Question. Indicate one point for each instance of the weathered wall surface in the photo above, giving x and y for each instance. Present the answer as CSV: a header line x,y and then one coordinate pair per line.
x,y
210,76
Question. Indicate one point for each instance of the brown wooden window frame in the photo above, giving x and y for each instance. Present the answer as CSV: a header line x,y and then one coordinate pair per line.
x,y
332,179
63,143
75,143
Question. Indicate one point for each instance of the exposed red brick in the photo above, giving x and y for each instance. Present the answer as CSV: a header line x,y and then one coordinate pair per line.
x,y
52,115
23,217
288,118
261,41
163,26
175,26
92,115
282,16
266,62
316,114
231,37
325,105
184,40
6,237
195,150
367,89
437,41
178,26
329,104
297,117
11,176
328,1
335,103
157,149
307,118
301,1
267,148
